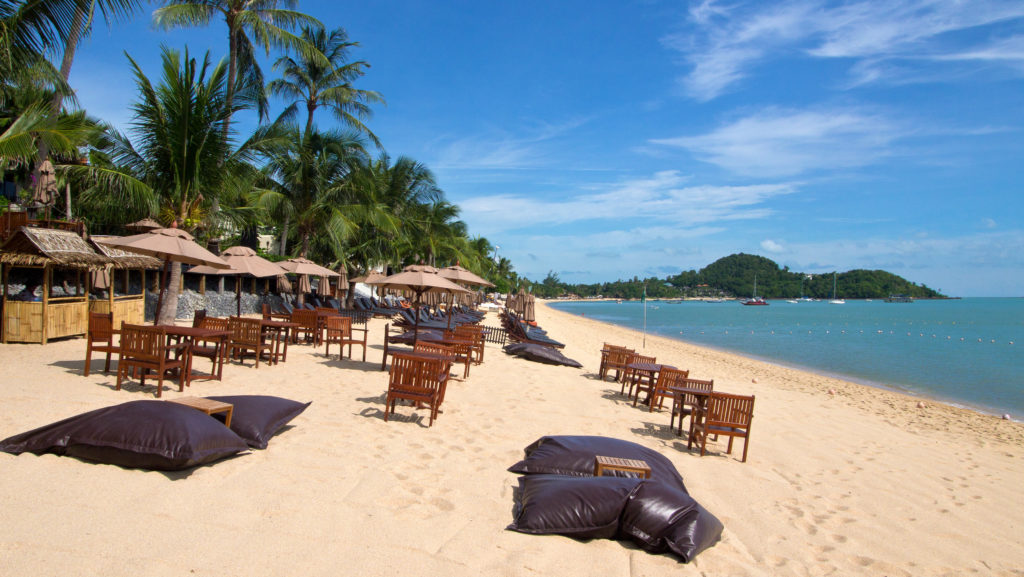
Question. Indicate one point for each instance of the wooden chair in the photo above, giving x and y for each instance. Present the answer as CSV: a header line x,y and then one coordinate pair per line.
x,y
198,317
339,330
633,378
144,349
667,378
608,348
683,405
309,326
725,414
213,352
615,359
247,335
462,346
473,333
416,379
100,338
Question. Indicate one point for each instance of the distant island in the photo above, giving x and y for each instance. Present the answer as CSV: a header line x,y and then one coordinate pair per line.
x,y
733,276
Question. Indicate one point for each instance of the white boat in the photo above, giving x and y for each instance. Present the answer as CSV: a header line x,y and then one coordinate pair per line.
x,y
794,301
834,300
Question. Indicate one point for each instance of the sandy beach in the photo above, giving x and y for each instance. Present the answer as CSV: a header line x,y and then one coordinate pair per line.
x,y
860,482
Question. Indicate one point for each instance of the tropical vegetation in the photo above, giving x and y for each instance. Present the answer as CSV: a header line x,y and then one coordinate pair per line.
x,y
329,192
733,276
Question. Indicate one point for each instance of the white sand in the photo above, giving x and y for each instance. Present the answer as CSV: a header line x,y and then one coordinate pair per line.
x,y
859,483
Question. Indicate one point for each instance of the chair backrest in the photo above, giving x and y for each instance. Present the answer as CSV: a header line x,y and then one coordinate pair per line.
x,y
616,358
265,310
669,377
409,372
327,310
143,342
727,410
216,324
339,325
198,318
101,327
245,331
436,348
637,358
305,318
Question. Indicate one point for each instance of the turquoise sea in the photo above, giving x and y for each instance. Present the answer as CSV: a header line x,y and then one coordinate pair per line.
x,y
968,352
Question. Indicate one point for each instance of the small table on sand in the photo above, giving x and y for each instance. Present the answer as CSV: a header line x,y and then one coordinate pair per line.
x,y
602,464
208,406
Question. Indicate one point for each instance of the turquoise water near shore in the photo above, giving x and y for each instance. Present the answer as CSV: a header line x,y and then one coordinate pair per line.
x,y
968,352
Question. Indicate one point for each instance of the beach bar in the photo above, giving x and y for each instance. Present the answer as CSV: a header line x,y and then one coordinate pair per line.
x,y
123,283
52,267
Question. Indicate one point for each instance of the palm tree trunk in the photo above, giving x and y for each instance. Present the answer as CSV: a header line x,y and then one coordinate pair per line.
x,y
169,306
284,236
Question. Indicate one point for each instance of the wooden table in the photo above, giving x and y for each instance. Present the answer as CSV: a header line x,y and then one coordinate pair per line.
x,y
208,406
700,403
193,334
602,464
647,371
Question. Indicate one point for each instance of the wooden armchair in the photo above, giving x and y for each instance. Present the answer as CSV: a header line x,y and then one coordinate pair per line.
x,y
725,414
614,358
309,326
684,404
474,333
339,330
100,338
203,348
144,349
462,346
416,379
661,389
247,335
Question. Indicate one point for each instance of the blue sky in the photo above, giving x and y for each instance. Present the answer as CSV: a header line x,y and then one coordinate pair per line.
x,y
611,139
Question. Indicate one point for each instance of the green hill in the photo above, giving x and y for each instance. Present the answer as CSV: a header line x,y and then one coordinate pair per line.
x,y
733,276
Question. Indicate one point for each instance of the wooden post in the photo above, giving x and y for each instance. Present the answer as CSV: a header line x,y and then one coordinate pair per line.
x,y
47,281
3,323
202,285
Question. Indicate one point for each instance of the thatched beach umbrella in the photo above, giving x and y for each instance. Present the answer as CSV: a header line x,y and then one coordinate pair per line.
x,y
284,286
143,225
418,280
169,245
305,267
456,273
243,261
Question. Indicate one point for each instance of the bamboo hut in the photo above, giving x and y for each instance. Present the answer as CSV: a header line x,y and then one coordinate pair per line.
x,y
58,262
126,284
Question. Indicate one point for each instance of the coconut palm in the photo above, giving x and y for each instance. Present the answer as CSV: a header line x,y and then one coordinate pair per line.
x,y
251,24
315,83
178,153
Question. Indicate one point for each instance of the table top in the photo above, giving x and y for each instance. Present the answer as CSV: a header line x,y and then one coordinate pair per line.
x,y
194,332
690,391
202,403
654,367
278,324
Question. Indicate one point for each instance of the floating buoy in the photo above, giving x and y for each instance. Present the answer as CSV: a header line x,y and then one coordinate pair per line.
x,y
921,405
1006,416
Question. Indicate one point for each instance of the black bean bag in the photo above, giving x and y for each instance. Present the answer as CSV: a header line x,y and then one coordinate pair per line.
x,y
574,455
138,434
257,418
540,354
659,515
578,507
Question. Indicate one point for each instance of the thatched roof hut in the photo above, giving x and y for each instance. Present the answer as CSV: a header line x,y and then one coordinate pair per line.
x,y
30,246
122,258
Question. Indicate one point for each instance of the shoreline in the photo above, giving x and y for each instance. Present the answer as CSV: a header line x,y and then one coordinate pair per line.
x,y
840,383
926,396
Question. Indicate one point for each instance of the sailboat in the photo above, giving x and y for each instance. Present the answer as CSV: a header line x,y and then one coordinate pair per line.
x,y
756,300
834,300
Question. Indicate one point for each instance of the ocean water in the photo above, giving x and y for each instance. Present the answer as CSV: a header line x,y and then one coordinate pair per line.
x,y
969,352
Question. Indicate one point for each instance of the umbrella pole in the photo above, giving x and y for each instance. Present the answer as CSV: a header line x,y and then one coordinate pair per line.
x,y
163,287
416,327
238,294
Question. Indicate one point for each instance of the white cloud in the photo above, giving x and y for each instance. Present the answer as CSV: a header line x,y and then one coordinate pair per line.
x,y
500,150
663,199
774,142
770,245
722,45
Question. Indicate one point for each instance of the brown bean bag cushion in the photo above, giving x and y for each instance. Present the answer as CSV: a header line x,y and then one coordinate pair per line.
x,y
578,507
540,354
257,418
574,455
660,518
137,434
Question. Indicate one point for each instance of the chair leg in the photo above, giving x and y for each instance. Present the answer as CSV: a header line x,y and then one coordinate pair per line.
x,y
106,366
746,444
88,359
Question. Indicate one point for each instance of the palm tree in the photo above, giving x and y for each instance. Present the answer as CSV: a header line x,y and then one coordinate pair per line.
x,y
316,84
179,150
250,23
